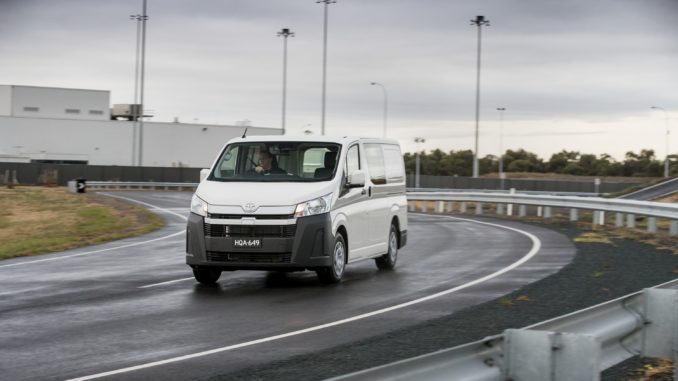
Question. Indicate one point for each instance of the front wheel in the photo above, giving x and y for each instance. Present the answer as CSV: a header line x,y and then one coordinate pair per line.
x,y
207,276
335,272
388,260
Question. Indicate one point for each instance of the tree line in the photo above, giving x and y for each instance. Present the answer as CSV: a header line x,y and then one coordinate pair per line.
x,y
460,163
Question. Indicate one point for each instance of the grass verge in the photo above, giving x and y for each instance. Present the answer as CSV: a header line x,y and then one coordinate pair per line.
x,y
37,220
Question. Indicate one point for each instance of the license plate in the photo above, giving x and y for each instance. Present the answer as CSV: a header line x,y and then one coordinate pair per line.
x,y
247,243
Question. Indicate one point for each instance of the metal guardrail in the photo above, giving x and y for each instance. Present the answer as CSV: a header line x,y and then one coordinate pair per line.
x,y
577,346
626,210
140,185
506,191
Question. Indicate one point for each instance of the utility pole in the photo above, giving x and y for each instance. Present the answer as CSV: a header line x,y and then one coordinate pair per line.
x,y
502,176
383,88
322,121
417,161
285,32
666,159
479,21
135,110
144,17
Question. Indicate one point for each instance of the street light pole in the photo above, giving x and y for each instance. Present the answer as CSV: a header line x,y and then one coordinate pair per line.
x,y
385,103
285,32
135,111
144,17
416,157
666,159
501,146
479,21
322,121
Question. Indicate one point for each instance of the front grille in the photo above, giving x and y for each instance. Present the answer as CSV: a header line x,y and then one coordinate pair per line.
x,y
239,257
257,231
256,216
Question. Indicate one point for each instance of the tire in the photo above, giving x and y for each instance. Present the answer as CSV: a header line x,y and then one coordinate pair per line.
x,y
388,260
335,272
207,275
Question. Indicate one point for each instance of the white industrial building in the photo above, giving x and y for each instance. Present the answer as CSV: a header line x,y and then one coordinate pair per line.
x,y
57,125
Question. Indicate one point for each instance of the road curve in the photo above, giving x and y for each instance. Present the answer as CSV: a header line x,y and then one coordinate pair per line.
x,y
131,308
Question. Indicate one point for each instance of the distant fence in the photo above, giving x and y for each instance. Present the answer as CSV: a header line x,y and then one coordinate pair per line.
x,y
34,173
455,182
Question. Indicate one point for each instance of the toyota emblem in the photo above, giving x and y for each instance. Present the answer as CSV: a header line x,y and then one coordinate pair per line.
x,y
250,207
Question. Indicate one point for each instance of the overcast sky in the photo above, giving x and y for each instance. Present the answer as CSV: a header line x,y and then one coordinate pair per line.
x,y
575,75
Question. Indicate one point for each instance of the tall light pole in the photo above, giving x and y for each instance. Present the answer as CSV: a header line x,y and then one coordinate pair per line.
x,y
322,121
501,146
416,157
285,32
142,71
135,111
385,103
666,159
479,21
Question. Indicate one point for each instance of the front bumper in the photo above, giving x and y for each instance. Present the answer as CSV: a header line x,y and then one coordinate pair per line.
x,y
304,245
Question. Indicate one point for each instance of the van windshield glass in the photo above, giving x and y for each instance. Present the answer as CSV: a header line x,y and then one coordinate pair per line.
x,y
277,161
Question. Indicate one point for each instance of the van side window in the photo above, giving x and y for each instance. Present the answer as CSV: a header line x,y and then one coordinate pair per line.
x,y
395,167
375,163
352,160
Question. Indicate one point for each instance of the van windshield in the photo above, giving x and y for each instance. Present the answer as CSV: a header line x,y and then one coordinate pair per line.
x,y
277,161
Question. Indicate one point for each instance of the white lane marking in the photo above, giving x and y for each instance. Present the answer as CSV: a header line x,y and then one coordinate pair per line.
x,y
94,251
536,246
110,248
163,283
167,210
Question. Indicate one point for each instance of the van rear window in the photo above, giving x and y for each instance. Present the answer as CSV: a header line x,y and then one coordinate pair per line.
x,y
277,161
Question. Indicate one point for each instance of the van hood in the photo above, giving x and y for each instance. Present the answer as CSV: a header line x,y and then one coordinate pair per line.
x,y
261,193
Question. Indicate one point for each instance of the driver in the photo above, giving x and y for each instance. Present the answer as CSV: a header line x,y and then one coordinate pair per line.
x,y
268,164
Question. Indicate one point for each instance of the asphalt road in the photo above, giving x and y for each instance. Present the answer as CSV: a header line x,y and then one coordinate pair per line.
x,y
130,309
653,192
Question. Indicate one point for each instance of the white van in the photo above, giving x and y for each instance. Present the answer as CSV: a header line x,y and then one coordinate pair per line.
x,y
279,203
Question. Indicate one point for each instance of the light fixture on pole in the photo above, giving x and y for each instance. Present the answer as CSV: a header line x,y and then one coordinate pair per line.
x,y
285,32
479,21
416,157
502,176
385,103
666,159
322,120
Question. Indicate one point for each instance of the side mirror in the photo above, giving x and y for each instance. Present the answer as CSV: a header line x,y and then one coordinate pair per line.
x,y
204,173
356,179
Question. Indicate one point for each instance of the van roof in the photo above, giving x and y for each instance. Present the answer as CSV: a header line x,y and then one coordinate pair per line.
x,y
310,138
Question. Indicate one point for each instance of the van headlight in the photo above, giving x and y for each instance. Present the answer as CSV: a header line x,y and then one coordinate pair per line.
x,y
198,206
313,207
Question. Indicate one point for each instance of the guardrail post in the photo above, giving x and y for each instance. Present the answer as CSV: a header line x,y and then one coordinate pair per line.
x,y
574,214
412,206
539,211
542,355
547,212
424,206
479,208
673,231
630,221
522,211
660,333
450,205
619,220
462,207
652,224
598,217
439,206
500,209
